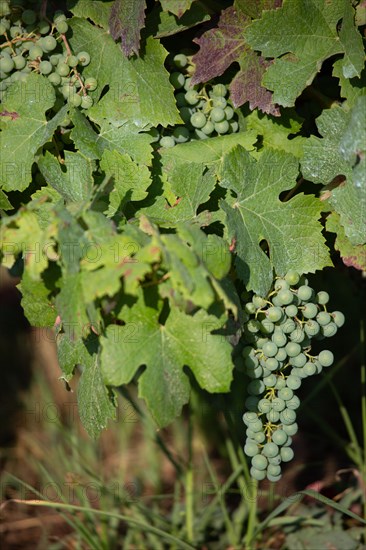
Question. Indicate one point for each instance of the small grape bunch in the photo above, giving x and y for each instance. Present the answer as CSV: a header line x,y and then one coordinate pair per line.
x,y
206,109
279,330
30,44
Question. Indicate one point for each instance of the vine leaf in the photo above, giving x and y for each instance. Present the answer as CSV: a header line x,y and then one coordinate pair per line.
x,y
164,349
352,255
220,47
24,134
36,303
256,214
177,7
341,152
97,11
301,43
125,22
96,404
129,84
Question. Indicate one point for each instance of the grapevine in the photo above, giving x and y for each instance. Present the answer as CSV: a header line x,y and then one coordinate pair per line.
x,y
32,43
206,110
279,330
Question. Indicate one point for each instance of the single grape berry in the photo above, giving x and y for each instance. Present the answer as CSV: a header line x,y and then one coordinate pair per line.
x,y
84,58
91,84
86,102
326,358
62,27
180,60
217,114
49,43
222,127
167,141
198,120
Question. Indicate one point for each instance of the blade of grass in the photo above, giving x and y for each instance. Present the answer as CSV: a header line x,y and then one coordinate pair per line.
x,y
138,524
296,498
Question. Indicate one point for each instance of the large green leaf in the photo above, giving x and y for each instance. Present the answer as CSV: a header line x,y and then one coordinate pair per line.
x,y
25,128
300,36
138,90
352,255
38,307
341,152
256,213
164,349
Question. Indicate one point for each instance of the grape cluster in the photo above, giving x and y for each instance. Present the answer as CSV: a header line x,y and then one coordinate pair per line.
x,y
29,43
279,329
205,109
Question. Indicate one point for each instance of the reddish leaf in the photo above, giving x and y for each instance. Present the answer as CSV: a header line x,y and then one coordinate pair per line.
x,y
246,85
221,46
225,44
125,22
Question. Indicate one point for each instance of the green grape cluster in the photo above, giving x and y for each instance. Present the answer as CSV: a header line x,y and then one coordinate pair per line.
x,y
279,330
29,43
205,109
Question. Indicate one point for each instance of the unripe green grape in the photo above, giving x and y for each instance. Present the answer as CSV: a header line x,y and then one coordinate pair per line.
x,y
75,100
264,405
177,80
72,61
285,296
250,307
259,437
180,60
270,449
84,58
249,417
310,311
310,368
44,27
229,112
278,405
299,360
91,84
281,284
329,330
35,52
287,416
323,318
279,338
219,102
311,328
188,85
259,461
270,380
267,327
292,349
281,355
253,326
293,403
256,426
86,102
217,115
19,62
339,318
297,335
198,134
285,393
29,17
198,120
67,90
6,64
272,364
290,429
322,297
286,454
299,372
279,437
222,127
62,27
233,126
219,90
251,449
273,470
59,16
208,128
259,475
274,314
275,460
192,97
305,293
291,310
270,349
293,382
251,403
49,43
326,358
292,277
273,416
180,99
288,326
45,67
260,340
186,113
167,141
255,373
15,31
54,59
181,134
256,387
